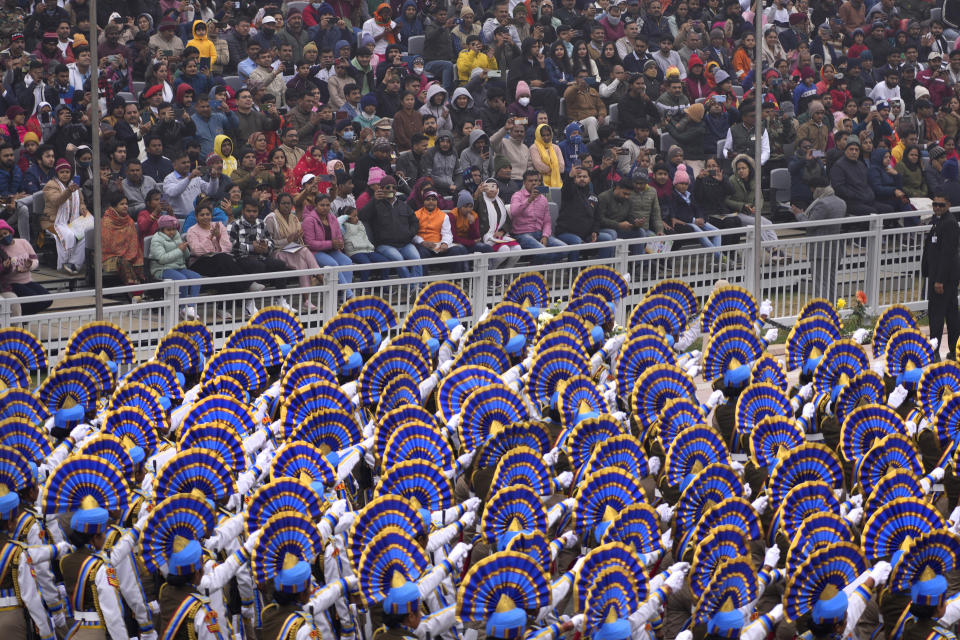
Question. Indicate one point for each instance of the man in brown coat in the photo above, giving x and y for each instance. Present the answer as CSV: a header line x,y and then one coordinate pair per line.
x,y
584,105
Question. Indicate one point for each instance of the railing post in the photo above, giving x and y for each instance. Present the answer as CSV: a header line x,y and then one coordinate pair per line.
x,y
748,261
329,288
5,311
172,294
874,249
480,285
622,256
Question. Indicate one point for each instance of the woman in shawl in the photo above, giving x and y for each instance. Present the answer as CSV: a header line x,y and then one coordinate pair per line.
x,y
311,163
546,157
122,250
66,217
258,142
493,224
285,228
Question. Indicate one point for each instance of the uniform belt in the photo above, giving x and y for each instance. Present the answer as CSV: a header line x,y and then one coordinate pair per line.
x,y
87,616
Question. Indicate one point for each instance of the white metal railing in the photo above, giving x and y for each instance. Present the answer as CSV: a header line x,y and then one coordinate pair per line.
x,y
864,256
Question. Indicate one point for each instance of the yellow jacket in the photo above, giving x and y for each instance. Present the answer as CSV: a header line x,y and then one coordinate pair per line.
x,y
470,59
203,44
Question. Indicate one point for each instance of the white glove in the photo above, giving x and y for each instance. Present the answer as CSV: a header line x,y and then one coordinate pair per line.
x,y
467,520
693,370
564,479
897,396
923,426
806,392
60,620
679,567
736,466
653,465
760,504
771,557
666,512
346,521
685,635
568,539
854,516
578,621
252,540
550,457
154,607
233,502
141,519
80,432
878,367
955,516
666,539
925,484
766,308
860,335
458,554
934,342
770,336
747,491
337,509
148,635
716,398
911,428
263,459
937,474
856,500
471,504
674,581
880,572
808,411
63,548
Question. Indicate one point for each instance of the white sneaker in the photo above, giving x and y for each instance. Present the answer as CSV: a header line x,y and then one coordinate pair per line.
x,y
285,304
224,315
191,312
250,307
255,286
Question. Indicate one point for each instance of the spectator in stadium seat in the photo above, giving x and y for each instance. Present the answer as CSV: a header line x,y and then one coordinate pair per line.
x,y
579,220
530,221
849,180
17,259
530,67
12,191
393,226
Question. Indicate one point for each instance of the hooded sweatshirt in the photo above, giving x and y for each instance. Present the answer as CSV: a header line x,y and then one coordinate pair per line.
x,y
951,184
208,50
441,113
459,116
442,167
571,150
229,162
471,157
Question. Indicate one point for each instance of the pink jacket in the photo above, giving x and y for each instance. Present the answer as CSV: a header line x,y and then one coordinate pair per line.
x,y
530,218
315,234
202,244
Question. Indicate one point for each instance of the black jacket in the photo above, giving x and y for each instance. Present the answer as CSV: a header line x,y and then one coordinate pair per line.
x,y
849,180
939,262
522,68
578,212
393,224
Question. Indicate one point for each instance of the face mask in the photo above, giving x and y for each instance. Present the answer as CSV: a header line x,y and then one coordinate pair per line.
x,y
82,164
418,70
524,101
348,135
7,240
613,20
575,138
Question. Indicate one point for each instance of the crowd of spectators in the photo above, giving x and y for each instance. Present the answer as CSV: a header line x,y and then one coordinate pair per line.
x,y
301,135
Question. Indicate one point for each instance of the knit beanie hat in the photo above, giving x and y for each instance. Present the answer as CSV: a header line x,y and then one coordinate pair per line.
x,y
369,99
681,177
500,162
167,222
464,199
376,175
523,89
695,111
